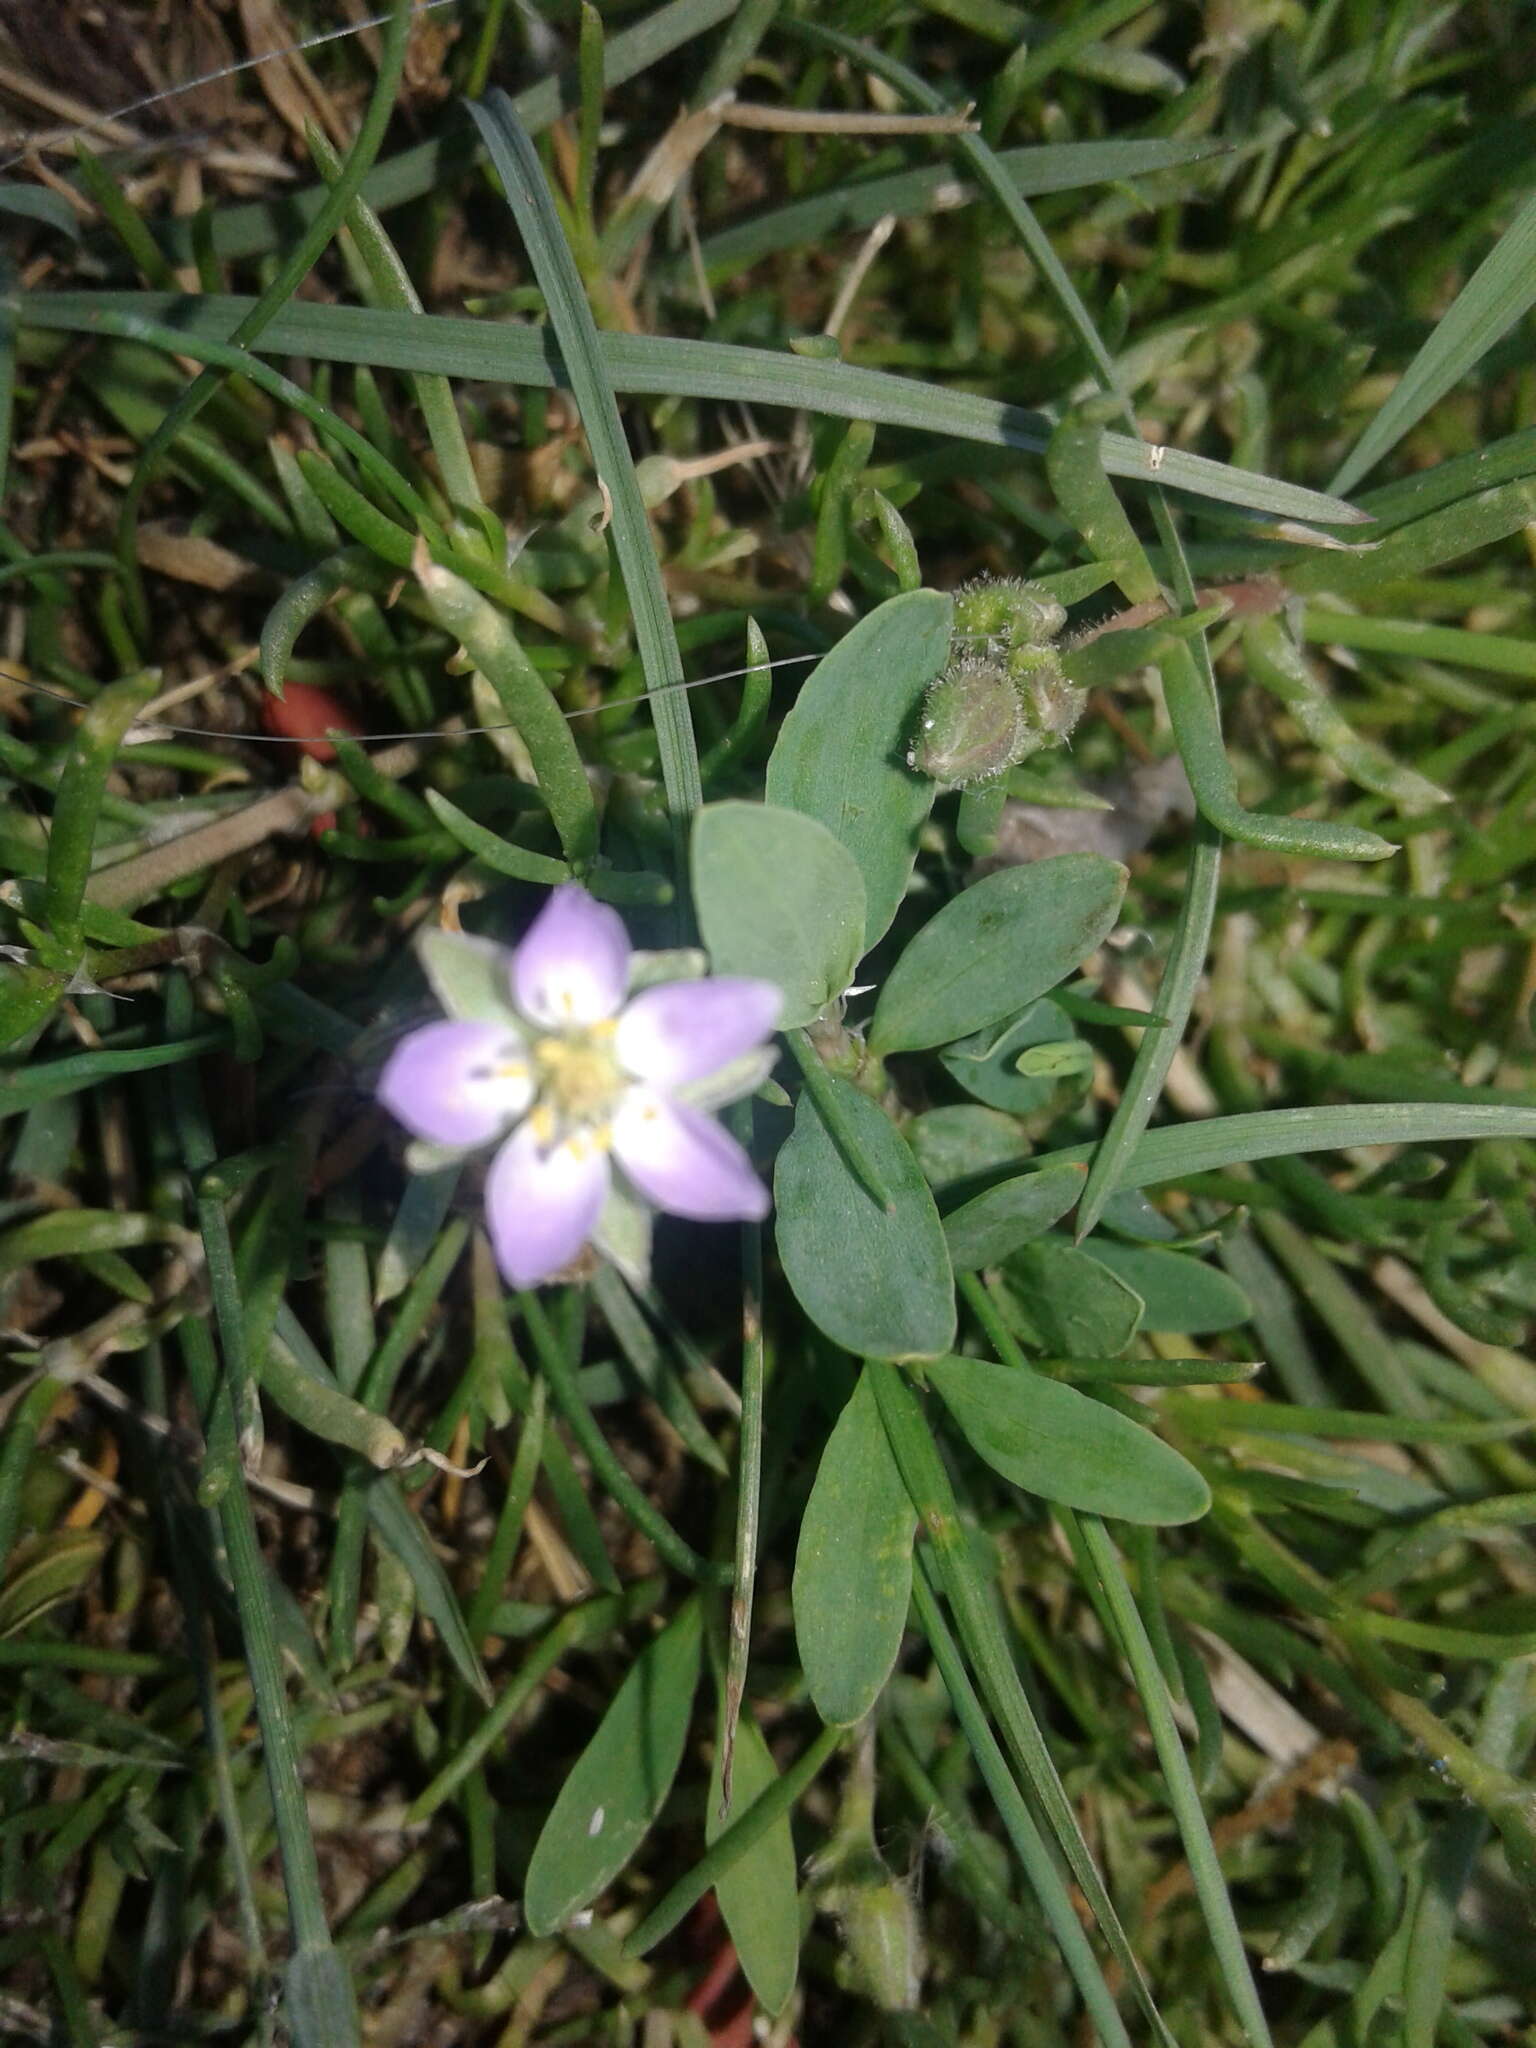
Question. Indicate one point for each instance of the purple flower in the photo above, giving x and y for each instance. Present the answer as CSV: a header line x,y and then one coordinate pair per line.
x,y
548,1051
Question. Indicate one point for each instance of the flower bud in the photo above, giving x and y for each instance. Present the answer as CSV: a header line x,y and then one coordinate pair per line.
x,y
973,725
1051,705
883,1954
1007,608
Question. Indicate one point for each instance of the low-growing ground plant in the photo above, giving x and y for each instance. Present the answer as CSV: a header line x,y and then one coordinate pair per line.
x,y
768,804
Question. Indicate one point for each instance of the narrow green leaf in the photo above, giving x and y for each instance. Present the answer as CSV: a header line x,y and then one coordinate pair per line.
x,y
617,1785
1471,522
396,1524
37,203
1500,292
1075,465
1210,1886
591,383
1157,1050
490,352
317,1990
758,1896
853,1565
856,203
78,805
994,1224
503,856
1178,1150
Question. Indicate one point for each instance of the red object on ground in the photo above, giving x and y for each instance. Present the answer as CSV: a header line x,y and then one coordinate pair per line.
x,y
302,713
722,1998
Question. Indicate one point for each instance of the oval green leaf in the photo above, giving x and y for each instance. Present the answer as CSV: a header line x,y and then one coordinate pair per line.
x,y
961,1139
986,1063
1066,1302
997,1222
876,1281
1178,1293
853,1566
995,948
617,1785
1064,1446
778,898
470,976
841,754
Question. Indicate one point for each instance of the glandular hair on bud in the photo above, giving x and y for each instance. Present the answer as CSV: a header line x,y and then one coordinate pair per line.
x,y
883,1954
973,725
1007,608
1051,705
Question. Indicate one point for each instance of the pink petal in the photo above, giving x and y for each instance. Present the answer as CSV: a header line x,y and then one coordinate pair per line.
x,y
684,1163
457,1084
684,1030
542,1203
573,966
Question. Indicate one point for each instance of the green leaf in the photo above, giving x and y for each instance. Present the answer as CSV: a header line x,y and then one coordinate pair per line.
x,y
470,976
616,1787
37,203
586,373
985,1231
962,1139
1010,938
853,1566
1072,1306
876,1281
1064,1446
758,1898
321,2004
778,898
495,352
1461,528
986,1064
1177,1292
841,753
1211,1144
850,204
1499,292
397,1525
420,1217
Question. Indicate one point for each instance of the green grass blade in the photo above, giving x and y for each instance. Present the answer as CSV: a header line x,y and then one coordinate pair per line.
x,y
857,204
1039,1868
581,351
971,1600
247,1569
764,1813
1183,1794
1158,1049
391,285
1500,292
655,366
1183,1149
